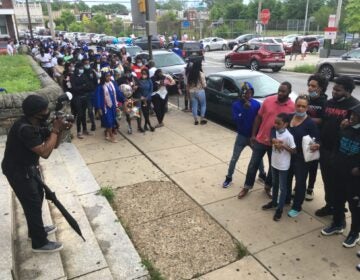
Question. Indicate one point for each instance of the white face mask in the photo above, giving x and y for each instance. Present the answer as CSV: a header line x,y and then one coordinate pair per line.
x,y
139,64
356,126
81,71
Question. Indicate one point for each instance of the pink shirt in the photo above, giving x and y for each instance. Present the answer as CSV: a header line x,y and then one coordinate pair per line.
x,y
270,108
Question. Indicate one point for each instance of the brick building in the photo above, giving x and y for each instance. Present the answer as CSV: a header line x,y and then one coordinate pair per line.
x,y
7,22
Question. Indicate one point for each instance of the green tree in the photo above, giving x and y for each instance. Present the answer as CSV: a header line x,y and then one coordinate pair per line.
x,y
67,18
295,9
102,25
352,16
76,27
110,9
322,16
170,5
117,27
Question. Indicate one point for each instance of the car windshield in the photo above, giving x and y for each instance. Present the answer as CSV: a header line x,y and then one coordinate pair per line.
x,y
167,59
191,46
278,40
264,85
133,50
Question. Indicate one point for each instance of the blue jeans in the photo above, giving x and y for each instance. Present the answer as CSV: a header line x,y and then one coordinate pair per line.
x,y
240,143
259,150
300,169
196,99
279,181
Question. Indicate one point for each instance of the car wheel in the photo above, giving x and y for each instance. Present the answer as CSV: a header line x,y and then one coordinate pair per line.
x,y
276,69
314,50
254,65
228,63
207,48
224,47
327,71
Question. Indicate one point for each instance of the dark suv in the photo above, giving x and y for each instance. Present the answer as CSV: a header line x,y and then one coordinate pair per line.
x,y
191,50
256,56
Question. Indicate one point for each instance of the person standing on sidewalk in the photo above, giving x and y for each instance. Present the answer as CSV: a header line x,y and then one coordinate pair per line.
x,y
346,160
295,49
196,84
283,146
29,139
335,111
244,112
260,136
317,85
304,46
90,95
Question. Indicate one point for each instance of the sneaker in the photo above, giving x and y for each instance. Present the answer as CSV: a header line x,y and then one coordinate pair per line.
x,y
351,240
262,177
332,229
324,211
80,135
129,130
293,213
141,130
227,182
268,206
48,229
358,267
49,247
292,193
309,195
277,215
196,122
358,254
93,127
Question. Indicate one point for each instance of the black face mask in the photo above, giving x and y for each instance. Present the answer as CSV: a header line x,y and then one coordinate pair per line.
x,y
43,117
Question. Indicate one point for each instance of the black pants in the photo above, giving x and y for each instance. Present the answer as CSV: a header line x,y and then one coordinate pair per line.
x,y
80,103
313,167
347,189
128,120
90,107
30,195
159,106
327,173
145,108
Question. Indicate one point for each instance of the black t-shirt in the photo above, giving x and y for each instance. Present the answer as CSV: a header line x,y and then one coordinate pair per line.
x,y
23,136
316,105
333,114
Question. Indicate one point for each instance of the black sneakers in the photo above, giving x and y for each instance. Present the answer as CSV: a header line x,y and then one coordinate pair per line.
x,y
332,229
50,247
269,206
277,215
227,182
351,239
324,211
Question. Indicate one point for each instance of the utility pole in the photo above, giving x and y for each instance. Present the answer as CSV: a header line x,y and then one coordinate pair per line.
x,y
29,19
258,22
51,20
338,14
147,24
259,10
306,15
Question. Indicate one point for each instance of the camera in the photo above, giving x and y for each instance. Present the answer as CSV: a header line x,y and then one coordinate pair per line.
x,y
60,102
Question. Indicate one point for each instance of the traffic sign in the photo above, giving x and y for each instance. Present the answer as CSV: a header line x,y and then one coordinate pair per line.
x,y
265,16
186,24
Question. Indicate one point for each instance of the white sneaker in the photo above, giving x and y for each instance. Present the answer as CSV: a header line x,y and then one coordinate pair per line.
x,y
309,195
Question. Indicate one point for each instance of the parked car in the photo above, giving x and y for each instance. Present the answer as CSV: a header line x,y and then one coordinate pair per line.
x,y
214,43
132,50
191,50
272,40
142,42
223,89
105,40
96,38
313,43
348,64
257,56
241,39
84,37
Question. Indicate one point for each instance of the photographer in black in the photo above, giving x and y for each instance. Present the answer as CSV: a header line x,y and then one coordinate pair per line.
x,y
29,139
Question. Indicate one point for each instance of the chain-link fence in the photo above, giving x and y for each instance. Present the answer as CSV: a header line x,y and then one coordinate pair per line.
x,y
196,29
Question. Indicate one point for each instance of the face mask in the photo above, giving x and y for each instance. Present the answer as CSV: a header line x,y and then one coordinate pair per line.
x,y
356,126
339,99
313,94
72,69
43,117
81,71
281,130
139,64
87,66
298,114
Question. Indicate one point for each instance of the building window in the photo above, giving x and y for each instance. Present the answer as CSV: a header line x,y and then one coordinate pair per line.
x,y
3,28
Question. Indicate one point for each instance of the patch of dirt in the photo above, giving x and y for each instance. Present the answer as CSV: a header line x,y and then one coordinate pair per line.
x,y
168,228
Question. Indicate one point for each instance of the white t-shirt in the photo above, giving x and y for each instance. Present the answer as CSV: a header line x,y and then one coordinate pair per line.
x,y
45,60
281,159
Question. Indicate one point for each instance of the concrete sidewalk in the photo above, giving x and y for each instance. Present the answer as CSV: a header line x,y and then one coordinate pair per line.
x,y
196,158
310,59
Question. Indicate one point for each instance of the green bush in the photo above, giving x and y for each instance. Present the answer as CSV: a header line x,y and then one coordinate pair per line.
x,y
305,68
17,75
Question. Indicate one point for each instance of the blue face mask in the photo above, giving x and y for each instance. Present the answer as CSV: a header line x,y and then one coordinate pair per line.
x,y
281,130
298,114
313,94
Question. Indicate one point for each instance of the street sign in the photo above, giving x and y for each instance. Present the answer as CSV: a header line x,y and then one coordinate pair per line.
x,y
265,16
332,21
186,24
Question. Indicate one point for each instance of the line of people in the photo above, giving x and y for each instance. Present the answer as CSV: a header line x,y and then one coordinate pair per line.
x,y
278,128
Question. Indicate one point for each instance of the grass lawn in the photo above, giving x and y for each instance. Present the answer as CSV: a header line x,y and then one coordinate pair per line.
x,y
16,74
